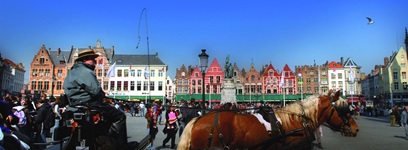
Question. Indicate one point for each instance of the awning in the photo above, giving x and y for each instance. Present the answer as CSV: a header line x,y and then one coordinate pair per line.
x,y
135,98
356,99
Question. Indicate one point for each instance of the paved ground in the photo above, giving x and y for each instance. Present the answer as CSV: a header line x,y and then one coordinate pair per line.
x,y
375,134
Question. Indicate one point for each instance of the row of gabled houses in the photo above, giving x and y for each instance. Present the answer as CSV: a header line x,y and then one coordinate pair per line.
x,y
269,84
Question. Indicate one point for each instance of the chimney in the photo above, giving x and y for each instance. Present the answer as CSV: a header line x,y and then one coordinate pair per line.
x,y
341,61
59,51
157,55
113,50
386,61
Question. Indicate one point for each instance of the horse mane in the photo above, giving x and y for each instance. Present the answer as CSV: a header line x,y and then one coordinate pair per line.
x,y
184,142
310,108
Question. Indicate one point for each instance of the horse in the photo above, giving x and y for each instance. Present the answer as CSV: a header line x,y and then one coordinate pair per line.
x,y
294,128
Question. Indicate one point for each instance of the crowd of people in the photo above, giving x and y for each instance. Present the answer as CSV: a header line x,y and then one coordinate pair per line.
x,y
28,120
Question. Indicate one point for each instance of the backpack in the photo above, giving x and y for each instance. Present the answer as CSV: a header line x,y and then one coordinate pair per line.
x,y
49,121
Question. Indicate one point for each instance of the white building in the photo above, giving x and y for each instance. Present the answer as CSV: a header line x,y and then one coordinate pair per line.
x,y
137,78
13,76
170,89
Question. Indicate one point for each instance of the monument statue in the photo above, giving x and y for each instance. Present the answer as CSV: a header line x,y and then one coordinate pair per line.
x,y
228,91
228,68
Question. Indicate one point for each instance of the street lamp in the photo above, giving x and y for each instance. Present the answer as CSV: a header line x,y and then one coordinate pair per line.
x,y
203,66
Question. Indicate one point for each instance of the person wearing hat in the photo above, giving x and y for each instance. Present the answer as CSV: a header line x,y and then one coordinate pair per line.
x,y
82,88
171,127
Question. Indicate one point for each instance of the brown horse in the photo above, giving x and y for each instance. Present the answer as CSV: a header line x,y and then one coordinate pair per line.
x,y
298,121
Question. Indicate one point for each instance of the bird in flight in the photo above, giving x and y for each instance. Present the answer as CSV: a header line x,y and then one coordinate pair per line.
x,y
370,21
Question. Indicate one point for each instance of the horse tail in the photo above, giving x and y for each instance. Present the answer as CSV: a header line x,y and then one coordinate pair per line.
x,y
185,139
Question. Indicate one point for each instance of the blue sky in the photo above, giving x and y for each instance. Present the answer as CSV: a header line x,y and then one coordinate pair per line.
x,y
278,32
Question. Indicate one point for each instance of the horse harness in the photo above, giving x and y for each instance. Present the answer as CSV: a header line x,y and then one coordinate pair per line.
x,y
278,133
215,124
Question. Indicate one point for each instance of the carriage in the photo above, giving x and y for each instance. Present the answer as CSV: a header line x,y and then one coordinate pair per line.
x,y
292,127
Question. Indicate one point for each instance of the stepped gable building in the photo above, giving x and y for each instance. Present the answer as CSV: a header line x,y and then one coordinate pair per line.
x,y
182,80
196,82
214,78
270,80
238,79
49,68
252,81
289,84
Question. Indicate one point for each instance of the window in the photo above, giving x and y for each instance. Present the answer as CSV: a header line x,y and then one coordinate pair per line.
x,y
125,85
41,60
40,85
199,82
193,82
218,78
119,86
152,72
196,74
139,86
316,89
126,73
404,75
105,85
333,76
33,85
59,85
396,87
340,83
59,73
340,76
151,85
160,86
252,78
395,74
160,74
132,85
41,72
47,72
211,79
316,80
99,72
145,84
112,85
404,85
46,85
139,73
34,72
308,81
132,73
119,73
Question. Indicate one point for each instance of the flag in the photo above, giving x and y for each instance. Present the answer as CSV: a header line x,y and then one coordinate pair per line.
x,y
111,71
282,80
100,62
146,73
163,69
351,75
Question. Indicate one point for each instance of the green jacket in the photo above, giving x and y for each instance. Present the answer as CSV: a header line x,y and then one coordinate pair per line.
x,y
81,85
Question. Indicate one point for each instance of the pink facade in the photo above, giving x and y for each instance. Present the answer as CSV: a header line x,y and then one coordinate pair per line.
x,y
271,80
196,82
289,81
214,78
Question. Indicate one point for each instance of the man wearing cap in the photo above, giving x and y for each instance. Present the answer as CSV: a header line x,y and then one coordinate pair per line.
x,y
82,88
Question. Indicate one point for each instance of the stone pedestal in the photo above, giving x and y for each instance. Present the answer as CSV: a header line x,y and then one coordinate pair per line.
x,y
228,92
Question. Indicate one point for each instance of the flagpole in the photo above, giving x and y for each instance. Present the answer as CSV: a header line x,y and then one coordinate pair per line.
x,y
147,43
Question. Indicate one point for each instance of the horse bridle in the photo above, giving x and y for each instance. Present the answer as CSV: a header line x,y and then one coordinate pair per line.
x,y
344,118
